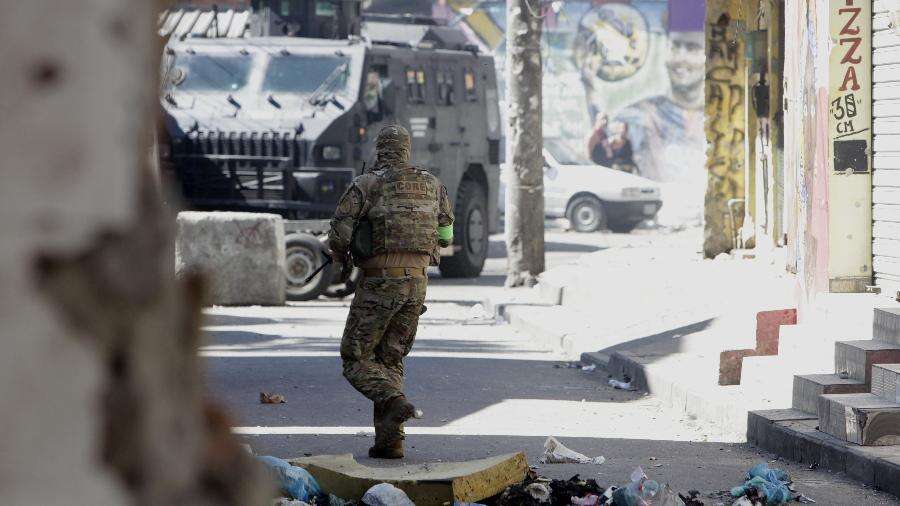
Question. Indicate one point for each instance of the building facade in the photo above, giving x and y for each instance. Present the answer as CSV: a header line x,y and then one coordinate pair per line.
x,y
803,115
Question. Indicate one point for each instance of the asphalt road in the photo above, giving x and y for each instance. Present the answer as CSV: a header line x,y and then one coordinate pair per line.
x,y
485,390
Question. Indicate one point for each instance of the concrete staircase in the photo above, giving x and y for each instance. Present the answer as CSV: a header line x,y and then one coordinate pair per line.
x,y
859,403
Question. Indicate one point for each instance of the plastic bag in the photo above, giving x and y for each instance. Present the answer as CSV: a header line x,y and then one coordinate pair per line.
x,y
295,482
668,497
556,453
771,483
385,494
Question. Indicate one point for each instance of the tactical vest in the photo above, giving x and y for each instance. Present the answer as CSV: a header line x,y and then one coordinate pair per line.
x,y
404,211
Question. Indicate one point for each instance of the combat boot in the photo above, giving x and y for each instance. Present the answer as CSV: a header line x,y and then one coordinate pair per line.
x,y
389,451
387,446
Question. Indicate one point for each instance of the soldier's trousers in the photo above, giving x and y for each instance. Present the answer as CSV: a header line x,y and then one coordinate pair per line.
x,y
380,331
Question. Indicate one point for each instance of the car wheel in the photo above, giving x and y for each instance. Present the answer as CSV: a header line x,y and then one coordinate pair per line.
x,y
470,233
586,214
623,227
303,255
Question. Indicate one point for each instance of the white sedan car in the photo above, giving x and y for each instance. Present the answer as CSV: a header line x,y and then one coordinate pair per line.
x,y
591,196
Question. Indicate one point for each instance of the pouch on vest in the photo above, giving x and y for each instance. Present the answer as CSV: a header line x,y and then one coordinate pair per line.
x,y
361,242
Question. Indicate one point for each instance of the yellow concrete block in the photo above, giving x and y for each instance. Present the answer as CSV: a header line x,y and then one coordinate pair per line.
x,y
425,484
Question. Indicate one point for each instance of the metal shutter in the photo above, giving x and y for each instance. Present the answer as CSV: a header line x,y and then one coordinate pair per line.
x,y
886,143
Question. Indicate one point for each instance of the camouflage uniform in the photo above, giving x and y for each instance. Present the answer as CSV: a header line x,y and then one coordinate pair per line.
x,y
406,206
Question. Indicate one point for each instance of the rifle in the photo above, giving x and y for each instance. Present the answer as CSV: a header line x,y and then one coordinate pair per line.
x,y
328,261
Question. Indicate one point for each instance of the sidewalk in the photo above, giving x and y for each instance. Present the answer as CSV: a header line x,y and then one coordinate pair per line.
x,y
661,314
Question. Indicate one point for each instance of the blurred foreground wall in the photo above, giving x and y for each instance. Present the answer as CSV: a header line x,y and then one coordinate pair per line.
x,y
100,398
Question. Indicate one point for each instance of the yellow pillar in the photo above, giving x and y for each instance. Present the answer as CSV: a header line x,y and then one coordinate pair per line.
x,y
726,86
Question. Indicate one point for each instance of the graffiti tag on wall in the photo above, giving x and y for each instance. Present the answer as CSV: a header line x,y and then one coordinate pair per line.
x,y
850,96
725,102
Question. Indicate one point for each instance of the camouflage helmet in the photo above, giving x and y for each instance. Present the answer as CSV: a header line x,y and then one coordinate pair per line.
x,y
392,146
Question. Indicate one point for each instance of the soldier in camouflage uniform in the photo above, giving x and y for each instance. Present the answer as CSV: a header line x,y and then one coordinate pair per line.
x,y
411,218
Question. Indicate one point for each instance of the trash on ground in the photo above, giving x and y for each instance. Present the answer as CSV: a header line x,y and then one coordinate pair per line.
x,y
588,500
589,368
621,385
284,501
692,498
565,491
765,485
556,453
668,497
385,494
267,398
539,491
294,482
637,493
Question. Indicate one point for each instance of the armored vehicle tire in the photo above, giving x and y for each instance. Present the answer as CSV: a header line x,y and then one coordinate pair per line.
x,y
470,233
341,290
303,255
586,214
623,227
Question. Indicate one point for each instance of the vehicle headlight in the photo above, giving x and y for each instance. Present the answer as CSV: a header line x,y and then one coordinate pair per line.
x,y
639,192
331,153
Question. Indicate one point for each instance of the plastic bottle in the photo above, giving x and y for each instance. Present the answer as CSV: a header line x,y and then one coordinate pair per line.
x,y
639,492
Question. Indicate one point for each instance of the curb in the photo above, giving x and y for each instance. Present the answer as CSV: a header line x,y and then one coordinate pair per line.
x,y
521,316
793,435
726,415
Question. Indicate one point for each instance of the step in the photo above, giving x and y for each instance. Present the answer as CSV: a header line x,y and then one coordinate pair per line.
x,y
857,357
863,419
770,370
886,381
808,388
799,342
886,325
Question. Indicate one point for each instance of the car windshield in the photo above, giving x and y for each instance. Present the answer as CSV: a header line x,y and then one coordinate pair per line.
x,y
563,154
306,73
210,72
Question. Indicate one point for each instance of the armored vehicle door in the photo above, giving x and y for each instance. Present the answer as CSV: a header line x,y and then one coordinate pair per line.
x,y
420,110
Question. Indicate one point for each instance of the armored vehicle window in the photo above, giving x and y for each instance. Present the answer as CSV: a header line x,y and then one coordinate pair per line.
x,y
445,88
415,86
373,94
420,83
306,73
207,72
471,91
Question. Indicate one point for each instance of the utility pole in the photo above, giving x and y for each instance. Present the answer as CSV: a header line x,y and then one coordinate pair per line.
x,y
524,144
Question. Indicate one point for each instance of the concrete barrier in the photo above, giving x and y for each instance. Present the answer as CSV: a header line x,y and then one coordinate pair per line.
x,y
242,255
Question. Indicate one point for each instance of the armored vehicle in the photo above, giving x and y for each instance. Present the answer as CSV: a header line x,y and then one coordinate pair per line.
x,y
282,125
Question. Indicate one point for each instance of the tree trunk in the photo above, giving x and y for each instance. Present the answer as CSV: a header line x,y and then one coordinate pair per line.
x,y
101,396
524,143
